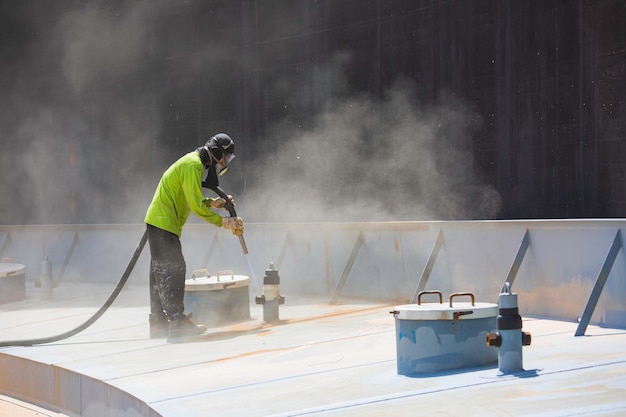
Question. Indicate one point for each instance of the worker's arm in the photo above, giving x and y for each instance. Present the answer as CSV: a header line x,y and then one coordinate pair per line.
x,y
192,188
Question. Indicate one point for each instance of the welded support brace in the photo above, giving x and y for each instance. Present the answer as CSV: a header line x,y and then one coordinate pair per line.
x,y
517,262
283,251
6,242
209,253
600,281
346,271
327,269
429,266
59,278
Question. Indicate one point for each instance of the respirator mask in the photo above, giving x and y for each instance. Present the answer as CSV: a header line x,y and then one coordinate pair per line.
x,y
222,149
222,167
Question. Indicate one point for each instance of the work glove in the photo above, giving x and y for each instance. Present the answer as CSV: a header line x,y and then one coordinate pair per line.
x,y
219,202
234,224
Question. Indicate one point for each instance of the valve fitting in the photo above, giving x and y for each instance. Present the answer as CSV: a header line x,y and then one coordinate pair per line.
x,y
270,295
509,337
46,279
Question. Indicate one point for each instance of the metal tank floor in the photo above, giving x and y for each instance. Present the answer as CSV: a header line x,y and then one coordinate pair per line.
x,y
320,360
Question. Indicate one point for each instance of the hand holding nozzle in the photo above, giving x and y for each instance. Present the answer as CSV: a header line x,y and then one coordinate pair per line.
x,y
234,224
220,202
230,206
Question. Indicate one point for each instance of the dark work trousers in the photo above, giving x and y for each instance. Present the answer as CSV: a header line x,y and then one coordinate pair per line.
x,y
167,275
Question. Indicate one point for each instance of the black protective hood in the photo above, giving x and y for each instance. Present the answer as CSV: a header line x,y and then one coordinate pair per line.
x,y
211,181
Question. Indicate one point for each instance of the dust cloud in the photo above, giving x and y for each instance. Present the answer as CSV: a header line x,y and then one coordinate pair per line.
x,y
366,159
85,142
76,144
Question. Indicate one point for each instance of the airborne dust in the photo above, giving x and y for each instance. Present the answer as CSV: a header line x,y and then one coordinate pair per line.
x,y
89,93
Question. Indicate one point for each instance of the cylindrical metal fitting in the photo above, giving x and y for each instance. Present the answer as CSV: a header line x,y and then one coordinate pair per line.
x,y
46,279
270,292
270,297
510,337
270,311
271,276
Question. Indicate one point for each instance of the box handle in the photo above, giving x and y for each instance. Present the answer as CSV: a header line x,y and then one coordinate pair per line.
x,y
419,296
196,273
232,274
460,294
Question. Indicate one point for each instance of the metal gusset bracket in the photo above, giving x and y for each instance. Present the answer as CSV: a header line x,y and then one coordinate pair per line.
x,y
599,285
66,261
346,271
429,266
5,244
211,250
283,250
517,262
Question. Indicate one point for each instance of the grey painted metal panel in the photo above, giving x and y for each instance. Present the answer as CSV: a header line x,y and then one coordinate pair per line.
x,y
560,263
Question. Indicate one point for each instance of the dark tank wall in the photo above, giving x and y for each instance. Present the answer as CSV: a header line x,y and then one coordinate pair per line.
x,y
100,97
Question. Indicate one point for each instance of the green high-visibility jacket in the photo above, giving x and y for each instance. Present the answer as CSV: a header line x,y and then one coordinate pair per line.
x,y
179,192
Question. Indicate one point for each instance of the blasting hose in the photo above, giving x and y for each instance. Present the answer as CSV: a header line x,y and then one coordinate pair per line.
x,y
98,313
118,288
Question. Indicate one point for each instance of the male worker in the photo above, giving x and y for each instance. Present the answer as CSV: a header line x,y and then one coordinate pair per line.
x,y
179,192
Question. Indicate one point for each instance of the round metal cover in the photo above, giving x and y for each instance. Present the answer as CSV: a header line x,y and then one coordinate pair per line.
x,y
215,283
8,268
437,311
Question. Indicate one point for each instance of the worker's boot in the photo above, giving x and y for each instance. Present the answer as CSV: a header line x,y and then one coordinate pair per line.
x,y
184,327
159,326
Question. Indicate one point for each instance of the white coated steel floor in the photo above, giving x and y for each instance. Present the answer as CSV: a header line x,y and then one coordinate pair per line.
x,y
321,360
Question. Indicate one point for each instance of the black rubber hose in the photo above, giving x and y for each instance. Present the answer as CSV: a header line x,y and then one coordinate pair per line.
x,y
118,288
98,313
